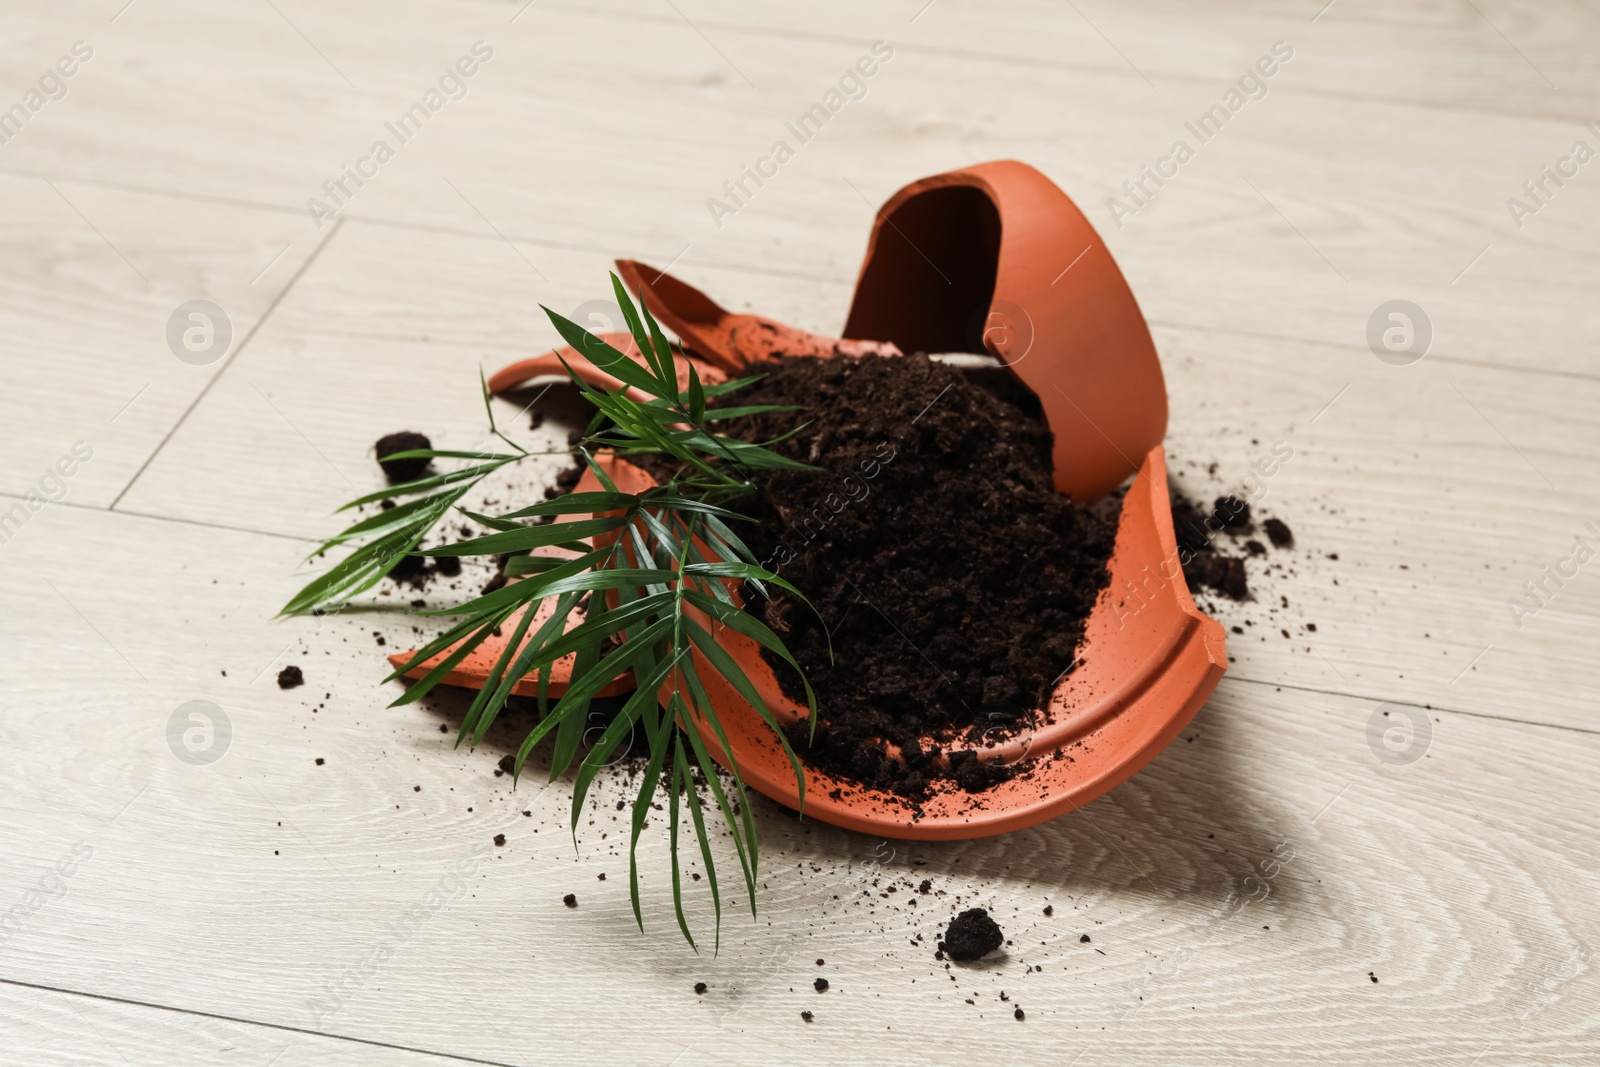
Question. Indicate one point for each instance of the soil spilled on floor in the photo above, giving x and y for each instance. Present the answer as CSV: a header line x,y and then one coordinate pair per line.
x,y
971,935
1205,564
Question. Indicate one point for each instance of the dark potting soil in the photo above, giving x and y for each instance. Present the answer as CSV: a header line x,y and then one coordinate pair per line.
x,y
1205,564
402,470
954,578
971,936
565,481
290,677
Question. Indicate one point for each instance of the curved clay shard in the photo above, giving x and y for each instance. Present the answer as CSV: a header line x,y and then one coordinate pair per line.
x,y
554,364
474,669
729,340
995,258
1148,661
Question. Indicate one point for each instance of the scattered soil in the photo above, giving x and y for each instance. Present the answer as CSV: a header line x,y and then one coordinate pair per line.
x,y
565,481
971,936
700,988
570,900
1205,564
290,677
820,985
402,470
807,1016
412,571
954,578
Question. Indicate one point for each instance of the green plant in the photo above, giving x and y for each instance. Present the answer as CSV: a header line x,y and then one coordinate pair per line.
x,y
642,569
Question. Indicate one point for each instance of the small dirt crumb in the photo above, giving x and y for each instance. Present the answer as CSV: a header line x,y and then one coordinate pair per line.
x,y
1049,910
820,962
507,764
416,789
290,677
401,470
1279,534
570,900
807,1016
1083,939
926,887
700,988
320,761
601,876
1233,513
1373,977
1017,1015
971,936
820,985
500,840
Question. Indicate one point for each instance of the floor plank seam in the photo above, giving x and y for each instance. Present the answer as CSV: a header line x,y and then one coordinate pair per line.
x,y
174,519
1235,677
761,267
1412,704
1319,342
1094,69
284,1027
758,267
151,190
229,360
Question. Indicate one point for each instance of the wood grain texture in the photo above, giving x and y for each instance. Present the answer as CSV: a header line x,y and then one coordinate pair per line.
x,y
90,277
1298,220
1284,884
1349,50
264,885
48,1026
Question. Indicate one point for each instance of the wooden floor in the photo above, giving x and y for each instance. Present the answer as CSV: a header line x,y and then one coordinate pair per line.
x,y
1278,887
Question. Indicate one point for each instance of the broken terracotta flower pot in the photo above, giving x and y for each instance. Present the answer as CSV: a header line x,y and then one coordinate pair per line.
x,y
993,259
1148,661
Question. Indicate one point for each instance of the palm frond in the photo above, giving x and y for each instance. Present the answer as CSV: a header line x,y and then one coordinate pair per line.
x,y
651,573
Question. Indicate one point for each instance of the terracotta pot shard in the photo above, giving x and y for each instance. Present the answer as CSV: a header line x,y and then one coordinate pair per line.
x,y
992,259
